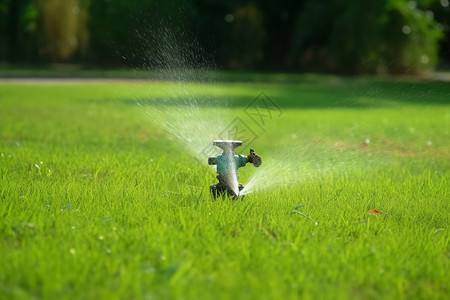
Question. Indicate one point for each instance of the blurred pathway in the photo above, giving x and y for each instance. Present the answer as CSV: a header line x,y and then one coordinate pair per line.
x,y
440,76
38,80
436,76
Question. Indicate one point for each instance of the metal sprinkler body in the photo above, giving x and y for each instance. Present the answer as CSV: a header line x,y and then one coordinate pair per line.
x,y
228,164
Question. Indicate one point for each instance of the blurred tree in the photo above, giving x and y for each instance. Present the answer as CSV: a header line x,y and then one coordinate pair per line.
x,y
18,19
279,18
247,35
63,31
441,12
354,36
140,33
214,22
310,38
357,36
410,38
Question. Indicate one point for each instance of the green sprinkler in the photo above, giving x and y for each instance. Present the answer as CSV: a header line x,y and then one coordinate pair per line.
x,y
228,164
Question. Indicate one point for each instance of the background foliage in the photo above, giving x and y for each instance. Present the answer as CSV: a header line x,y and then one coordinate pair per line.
x,y
388,36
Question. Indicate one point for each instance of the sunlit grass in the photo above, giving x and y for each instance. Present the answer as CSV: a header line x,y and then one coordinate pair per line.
x,y
98,201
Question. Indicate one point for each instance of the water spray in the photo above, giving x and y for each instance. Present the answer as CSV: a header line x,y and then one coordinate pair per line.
x,y
228,164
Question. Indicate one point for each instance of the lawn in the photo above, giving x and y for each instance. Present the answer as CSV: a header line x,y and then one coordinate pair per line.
x,y
104,189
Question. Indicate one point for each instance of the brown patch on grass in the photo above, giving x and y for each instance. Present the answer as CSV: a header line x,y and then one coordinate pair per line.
x,y
389,147
342,145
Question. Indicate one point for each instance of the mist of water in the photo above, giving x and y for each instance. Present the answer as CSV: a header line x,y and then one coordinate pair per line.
x,y
193,118
233,181
190,116
290,166
190,126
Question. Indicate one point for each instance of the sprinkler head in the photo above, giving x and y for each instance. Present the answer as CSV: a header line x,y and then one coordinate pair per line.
x,y
227,145
228,164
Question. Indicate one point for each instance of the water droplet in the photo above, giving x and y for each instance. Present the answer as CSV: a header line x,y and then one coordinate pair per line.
x,y
72,251
424,59
406,29
75,10
229,18
101,237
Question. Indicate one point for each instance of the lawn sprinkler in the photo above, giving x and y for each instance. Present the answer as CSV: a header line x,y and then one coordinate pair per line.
x,y
228,164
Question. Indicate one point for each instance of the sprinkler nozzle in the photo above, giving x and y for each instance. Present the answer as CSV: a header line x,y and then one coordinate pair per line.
x,y
254,158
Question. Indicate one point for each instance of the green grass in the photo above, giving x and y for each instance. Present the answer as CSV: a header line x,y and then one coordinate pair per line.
x,y
97,201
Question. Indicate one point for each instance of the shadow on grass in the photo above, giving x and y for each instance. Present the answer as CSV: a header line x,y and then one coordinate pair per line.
x,y
316,94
